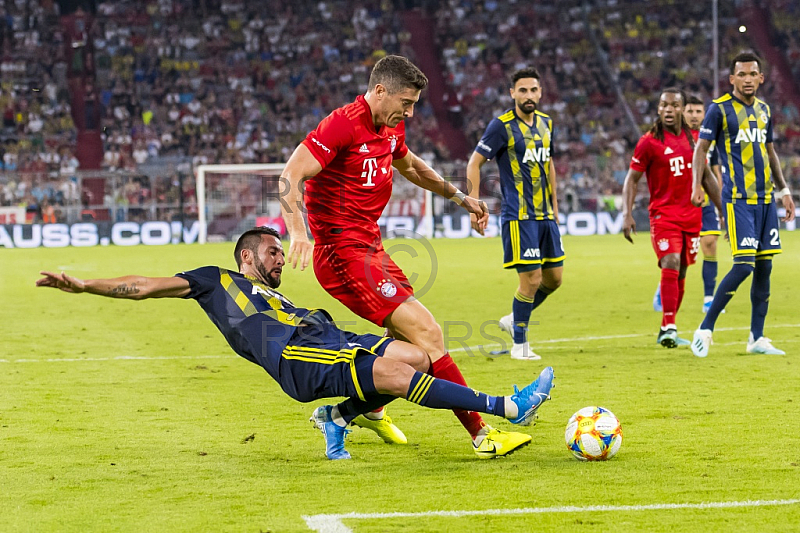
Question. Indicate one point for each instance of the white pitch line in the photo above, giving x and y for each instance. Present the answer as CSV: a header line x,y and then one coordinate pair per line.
x,y
332,523
454,350
118,358
604,337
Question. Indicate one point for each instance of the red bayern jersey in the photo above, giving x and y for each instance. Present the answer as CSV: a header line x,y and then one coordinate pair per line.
x,y
345,200
668,166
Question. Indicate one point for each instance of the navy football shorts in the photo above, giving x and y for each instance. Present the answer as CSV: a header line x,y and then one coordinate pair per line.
x,y
753,229
323,361
710,221
532,244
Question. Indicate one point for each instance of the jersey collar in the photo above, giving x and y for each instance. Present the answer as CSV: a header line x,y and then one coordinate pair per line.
x,y
755,100
363,101
533,125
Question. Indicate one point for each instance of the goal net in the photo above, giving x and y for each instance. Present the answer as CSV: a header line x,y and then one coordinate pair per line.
x,y
234,198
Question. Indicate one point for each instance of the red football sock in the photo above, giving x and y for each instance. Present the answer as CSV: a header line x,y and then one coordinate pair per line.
x,y
445,368
669,295
681,290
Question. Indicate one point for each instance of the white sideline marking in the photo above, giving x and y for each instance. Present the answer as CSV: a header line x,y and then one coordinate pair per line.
x,y
332,523
118,358
606,337
454,350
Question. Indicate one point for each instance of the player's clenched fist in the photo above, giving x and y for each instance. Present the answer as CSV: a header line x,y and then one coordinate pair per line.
x,y
479,213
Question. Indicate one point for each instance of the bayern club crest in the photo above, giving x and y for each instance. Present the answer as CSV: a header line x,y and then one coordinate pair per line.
x,y
387,288
663,244
393,141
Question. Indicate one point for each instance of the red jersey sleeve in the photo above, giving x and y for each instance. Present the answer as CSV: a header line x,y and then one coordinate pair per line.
x,y
401,150
641,155
332,135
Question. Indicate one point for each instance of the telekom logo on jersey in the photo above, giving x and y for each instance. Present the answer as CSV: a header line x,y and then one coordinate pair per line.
x,y
370,166
676,165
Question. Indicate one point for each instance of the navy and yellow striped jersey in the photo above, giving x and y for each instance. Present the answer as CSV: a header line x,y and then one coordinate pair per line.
x,y
255,319
741,133
523,158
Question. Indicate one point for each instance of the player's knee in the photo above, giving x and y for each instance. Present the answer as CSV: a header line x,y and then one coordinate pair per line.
x,y
419,360
430,331
743,267
764,266
552,283
671,261
413,356
529,281
391,376
427,335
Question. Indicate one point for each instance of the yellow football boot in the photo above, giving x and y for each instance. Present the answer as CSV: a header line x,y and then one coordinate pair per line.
x,y
390,433
498,443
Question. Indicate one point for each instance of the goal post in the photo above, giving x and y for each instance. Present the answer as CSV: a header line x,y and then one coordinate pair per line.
x,y
233,198
212,201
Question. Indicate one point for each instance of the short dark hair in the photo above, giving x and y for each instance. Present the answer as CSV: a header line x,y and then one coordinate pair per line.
x,y
527,72
250,240
397,73
745,57
694,100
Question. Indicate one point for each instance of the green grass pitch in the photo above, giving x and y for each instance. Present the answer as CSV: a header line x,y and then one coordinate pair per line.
x,y
136,416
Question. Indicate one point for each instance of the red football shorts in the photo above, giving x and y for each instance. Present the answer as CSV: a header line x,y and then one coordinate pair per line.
x,y
668,239
364,278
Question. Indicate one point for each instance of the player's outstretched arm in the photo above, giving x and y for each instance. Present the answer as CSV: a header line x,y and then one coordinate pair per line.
x,y
783,193
128,287
422,175
301,165
699,170
628,197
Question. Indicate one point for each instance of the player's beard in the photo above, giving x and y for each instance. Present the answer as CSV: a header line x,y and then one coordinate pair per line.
x,y
528,107
274,281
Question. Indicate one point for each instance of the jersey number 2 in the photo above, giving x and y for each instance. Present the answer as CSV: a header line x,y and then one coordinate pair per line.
x,y
775,240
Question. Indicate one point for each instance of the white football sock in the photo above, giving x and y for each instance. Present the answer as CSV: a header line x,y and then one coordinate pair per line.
x,y
512,411
375,415
336,417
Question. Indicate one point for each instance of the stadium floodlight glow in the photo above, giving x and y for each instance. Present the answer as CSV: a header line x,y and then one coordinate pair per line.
x,y
742,29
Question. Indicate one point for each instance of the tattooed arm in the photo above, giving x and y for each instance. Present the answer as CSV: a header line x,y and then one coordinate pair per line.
x,y
129,287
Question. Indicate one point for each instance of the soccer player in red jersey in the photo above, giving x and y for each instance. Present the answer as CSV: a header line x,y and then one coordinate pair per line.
x,y
665,154
347,164
693,114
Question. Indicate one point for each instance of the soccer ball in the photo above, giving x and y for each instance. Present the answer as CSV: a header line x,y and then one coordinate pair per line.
x,y
593,434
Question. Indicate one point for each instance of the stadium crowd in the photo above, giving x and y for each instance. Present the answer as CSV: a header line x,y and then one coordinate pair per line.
x,y
227,81
237,85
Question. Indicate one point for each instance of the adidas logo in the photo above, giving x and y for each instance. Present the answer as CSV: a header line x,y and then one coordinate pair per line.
x,y
669,151
364,149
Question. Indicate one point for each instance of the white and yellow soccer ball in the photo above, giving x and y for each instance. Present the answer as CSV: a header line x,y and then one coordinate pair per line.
x,y
593,434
